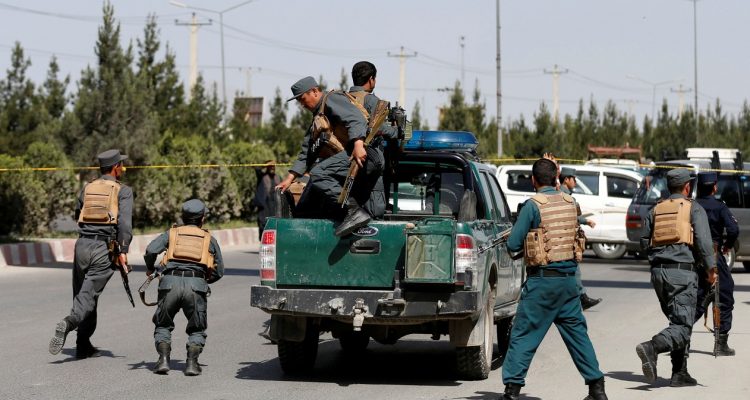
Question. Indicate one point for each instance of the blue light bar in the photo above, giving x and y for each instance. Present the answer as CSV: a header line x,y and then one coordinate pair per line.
x,y
442,140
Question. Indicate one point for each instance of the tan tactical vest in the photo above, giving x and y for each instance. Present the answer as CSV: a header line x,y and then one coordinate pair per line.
x,y
100,204
672,223
338,134
557,237
189,243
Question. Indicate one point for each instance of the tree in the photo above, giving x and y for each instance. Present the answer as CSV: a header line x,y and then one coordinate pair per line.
x,y
344,82
21,109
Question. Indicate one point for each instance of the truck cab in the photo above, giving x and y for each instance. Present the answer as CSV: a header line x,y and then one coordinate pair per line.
x,y
435,264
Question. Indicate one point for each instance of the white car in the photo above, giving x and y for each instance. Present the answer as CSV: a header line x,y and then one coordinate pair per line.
x,y
604,194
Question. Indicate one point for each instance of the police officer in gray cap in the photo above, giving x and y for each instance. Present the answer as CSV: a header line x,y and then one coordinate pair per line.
x,y
104,213
337,133
720,220
192,261
674,230
567,184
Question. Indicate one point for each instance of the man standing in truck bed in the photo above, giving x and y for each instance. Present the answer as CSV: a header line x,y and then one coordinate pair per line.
x,y
550,294
337,133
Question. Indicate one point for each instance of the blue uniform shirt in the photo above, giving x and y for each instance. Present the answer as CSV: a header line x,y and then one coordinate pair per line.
x,y
720,218
529,218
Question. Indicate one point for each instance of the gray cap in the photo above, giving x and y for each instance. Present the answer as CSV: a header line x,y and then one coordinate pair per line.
x,y
566,172
193,209
110,158
678,176
302,86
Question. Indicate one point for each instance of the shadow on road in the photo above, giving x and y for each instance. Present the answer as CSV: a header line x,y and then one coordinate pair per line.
x,y
406,363
71,353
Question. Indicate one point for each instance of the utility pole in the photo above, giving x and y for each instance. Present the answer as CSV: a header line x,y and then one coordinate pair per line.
x,y
695,63
402,74
499,93
680,92
194,25
556,72
248,76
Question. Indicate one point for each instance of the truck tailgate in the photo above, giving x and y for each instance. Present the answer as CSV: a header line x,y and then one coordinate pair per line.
x,y
308,254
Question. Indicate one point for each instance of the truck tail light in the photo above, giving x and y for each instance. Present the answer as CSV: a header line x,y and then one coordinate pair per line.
x,y
633,221
466,253
268,255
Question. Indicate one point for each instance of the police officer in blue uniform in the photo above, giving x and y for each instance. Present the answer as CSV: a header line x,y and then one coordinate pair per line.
x,y
184,284
549,295
674,275
101,229
719,220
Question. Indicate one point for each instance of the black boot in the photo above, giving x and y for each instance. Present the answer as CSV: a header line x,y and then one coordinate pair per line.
x,y
61,333
722,349
647,355
84,349
596,390
680,375
512,392
192,368
356,217
162,366
587,302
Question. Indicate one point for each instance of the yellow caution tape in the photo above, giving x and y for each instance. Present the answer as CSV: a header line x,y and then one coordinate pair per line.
x,y
164,166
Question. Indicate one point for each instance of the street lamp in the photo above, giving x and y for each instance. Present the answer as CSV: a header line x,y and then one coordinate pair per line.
x,y
221,33
654,85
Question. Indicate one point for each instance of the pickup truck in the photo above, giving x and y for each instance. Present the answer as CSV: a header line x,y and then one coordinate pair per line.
x,y
436,264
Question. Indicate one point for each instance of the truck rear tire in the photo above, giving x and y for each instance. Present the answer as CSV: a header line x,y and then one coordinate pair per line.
x,y
474,362
353,342
299,357
504,326
608,251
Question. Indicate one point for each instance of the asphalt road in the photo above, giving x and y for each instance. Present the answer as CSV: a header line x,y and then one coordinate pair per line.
x,y
239,364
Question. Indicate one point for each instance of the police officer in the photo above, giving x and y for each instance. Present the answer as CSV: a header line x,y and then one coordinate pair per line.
x,y
567,184
719,219
364,76
336,134
193,260
550,294
674,273
104,213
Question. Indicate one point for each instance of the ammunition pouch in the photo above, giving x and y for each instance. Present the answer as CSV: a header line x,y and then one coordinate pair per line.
x,y
189,243
672,223
100,203
558,238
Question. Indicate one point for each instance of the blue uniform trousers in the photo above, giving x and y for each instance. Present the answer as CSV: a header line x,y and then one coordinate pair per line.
x,y
726,295
546,301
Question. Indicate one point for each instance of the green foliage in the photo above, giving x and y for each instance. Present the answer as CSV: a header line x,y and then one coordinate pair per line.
x,y
244,177
23,200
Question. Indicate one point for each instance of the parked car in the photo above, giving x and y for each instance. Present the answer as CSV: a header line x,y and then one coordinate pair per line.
x,y
733,189
604,194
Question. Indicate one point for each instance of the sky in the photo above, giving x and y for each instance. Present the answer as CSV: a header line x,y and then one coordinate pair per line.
x,y
620,50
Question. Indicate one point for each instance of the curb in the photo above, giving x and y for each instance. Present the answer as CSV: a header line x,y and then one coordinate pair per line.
x,y
62,250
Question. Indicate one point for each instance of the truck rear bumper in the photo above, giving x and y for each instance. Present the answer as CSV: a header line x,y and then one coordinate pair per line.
x,y
379,306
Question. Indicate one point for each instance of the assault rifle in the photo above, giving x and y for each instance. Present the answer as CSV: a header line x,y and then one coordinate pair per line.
x,y
114,250
373,127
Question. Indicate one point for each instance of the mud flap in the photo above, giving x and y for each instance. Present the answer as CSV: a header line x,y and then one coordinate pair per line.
x,y
288,328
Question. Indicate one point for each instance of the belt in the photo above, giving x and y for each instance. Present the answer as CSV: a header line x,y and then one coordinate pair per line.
x,y
185,274
102,238
545,272
684,266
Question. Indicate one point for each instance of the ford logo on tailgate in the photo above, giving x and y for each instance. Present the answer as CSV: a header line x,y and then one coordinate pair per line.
x,y
366,231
